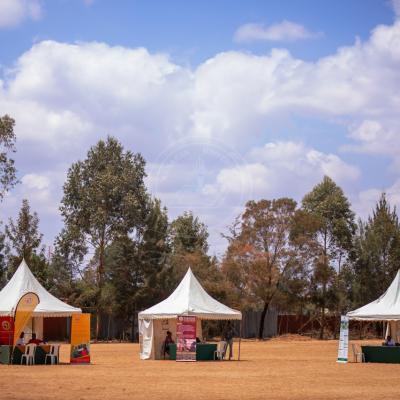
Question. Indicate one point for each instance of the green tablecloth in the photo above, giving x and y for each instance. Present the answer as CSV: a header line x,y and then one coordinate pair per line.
x,y
40,354
204,351
382,354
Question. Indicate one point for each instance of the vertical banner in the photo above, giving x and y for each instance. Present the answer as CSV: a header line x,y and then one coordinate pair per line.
x,y
186,338
343,340
6,331
23,311
80,339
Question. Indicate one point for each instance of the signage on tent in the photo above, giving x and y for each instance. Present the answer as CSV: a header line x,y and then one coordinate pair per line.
x,y
23,311
80,339
186,338
6,330
344,340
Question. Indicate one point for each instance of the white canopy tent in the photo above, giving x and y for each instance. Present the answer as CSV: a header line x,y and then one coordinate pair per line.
x,y
189,299
386,308
23,281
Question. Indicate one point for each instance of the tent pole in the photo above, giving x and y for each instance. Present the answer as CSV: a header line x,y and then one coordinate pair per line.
x,y
240,339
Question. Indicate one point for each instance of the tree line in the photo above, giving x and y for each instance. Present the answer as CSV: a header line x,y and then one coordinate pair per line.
x,y
119,253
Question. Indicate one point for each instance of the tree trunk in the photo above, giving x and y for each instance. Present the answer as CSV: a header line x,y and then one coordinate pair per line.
x,y
100,276
262,320
321,332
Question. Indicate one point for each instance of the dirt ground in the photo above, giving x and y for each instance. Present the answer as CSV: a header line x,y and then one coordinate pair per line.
x,y
285,368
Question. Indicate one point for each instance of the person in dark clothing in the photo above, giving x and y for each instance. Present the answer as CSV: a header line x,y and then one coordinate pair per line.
x,y
168,340
228,337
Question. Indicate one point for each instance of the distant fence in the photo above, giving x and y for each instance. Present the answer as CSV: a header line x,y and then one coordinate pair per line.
x,y
112,328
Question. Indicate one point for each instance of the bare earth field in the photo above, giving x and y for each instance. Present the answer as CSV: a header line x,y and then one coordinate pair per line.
x,y
275,369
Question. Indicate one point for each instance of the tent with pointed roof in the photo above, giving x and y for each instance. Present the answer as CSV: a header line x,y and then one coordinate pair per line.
x,y
23,281
386,308
188,299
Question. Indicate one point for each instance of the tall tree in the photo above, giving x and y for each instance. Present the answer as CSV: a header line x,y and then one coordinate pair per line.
x,y
334,234
260,255
377,253
23,240
105,198
134,265
7,145
188,238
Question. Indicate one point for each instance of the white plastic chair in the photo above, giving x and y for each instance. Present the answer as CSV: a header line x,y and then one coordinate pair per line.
x,y
54,354
220,352
358,355
29,355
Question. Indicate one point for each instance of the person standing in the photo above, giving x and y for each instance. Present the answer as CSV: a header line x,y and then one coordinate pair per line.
x,y
228,337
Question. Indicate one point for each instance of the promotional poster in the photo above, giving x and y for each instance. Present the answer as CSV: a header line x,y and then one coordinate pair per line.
x,y
344,340
25,307
186,338
80,339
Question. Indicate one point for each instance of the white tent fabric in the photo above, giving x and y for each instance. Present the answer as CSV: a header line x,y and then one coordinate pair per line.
x,y
146,342
23,281
386,308
189,298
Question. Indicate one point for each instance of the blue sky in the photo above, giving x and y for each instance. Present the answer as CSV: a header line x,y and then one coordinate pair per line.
x,y
193,31
227,100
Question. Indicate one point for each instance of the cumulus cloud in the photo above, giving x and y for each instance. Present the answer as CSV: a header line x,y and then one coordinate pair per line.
x,y
282,168
13,12
66,96
285,31
396,7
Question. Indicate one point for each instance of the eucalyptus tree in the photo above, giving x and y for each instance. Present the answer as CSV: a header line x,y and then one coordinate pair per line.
x,y
8,177
377,253
104,199
260,255
23,240
334,233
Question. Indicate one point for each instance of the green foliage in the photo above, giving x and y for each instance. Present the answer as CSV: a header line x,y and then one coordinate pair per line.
x,y
22,240
260,253
377,253
104,199
8,171
332,233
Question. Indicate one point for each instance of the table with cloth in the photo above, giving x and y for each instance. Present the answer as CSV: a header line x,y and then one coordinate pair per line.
x,y
382,354
204,351
40,354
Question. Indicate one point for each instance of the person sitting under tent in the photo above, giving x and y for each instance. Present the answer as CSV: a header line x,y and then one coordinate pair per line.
x,y
168,340
21,339
35,340
389,341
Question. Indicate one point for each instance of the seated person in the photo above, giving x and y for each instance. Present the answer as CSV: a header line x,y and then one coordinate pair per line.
x,y
168,340
34,340
389,341
21,339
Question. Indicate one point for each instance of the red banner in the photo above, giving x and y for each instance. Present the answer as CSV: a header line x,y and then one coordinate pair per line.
x,y
6,330
186,338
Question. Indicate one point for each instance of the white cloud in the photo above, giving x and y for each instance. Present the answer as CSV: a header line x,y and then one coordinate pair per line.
x,y
66,96
35,181
285,31
282,169
13,12
396,7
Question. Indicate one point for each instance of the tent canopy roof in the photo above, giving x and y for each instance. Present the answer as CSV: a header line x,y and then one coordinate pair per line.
x,y
189,298
386,308
23,281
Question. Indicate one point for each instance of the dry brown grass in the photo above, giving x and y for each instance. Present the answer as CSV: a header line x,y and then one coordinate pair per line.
x,y
276,369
